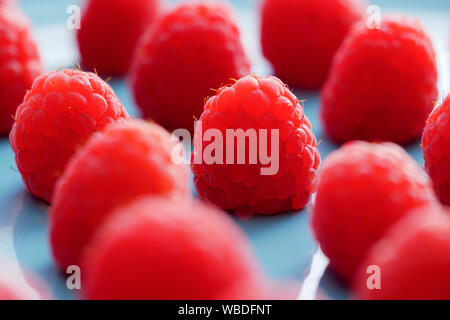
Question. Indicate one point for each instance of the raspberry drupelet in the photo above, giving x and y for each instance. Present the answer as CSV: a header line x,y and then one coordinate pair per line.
x,y
110,30
56,117
126,160
256,105
382,84
193,49
19,62
182,250
363,188
300,37
412,258
436,149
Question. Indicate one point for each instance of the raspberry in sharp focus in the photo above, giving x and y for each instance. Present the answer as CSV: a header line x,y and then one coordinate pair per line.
x,y
110,30
436,149
193,49
363,188
300,37
58,114
255,105
411,261
126,160
180,250
19,63
382,84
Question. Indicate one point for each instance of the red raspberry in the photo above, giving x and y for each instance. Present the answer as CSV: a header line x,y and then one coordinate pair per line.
x,y
19,63
127,160
362,190
300,37
436,149
256,103
194,48
55,119
110,30
179,250
382,84
413,260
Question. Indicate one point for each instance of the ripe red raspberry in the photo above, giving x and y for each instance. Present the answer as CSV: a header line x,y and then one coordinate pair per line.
x,y
382,84
436,149
160,249
300,37
194,48
412,258
362,190
57,116
19,63
256,104
124,161
110,30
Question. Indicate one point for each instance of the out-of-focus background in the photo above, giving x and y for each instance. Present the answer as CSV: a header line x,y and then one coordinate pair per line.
x,y
283,243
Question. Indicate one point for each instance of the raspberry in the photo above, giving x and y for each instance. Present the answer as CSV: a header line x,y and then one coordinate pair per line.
x,y
258,104
300,37
107,36
126,160
19,62
194,48
55,119
436,149
382,84
362,190
412,258
180,250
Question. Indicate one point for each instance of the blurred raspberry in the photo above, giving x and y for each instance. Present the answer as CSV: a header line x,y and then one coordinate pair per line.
x,y
300,37
382,84
412,258
180,250
19,63
194,48
57,116
110,30
256,103
362,190
126,160
436,149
